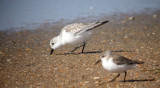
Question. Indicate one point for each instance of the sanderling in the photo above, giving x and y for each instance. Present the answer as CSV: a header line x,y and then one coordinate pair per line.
x,y
74,34
117,64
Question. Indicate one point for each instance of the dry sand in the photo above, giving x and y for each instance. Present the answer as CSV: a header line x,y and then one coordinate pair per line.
x,y
25,61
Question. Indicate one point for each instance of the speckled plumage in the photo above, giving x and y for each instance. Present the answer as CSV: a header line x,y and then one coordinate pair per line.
x,y
75,27
80,27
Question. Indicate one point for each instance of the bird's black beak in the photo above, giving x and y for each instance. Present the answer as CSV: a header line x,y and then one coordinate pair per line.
x,y
51,51
98,61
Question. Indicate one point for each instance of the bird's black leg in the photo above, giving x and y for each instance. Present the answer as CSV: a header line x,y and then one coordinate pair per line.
x,y
76,48
125,74
84,44
115,78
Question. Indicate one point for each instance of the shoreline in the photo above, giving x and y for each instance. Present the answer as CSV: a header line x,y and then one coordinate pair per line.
x,y
91,18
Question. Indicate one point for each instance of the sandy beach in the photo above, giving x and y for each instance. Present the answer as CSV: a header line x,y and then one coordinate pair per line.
x,y
25,61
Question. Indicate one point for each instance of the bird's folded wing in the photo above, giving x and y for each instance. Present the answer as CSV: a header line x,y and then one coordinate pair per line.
x,y
90,27
123,60
74,28
78,28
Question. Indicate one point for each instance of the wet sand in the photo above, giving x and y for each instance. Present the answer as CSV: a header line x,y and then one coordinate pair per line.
x,y
25,61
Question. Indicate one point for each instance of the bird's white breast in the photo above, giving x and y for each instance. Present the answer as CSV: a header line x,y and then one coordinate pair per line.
x,y
71,38
110,66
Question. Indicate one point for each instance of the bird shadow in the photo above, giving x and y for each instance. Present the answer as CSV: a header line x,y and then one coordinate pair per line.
x,y
139,80
136,80
91,52
122,51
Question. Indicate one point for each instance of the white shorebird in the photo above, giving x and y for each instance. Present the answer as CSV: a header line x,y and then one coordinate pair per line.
x,y
74,34
117,64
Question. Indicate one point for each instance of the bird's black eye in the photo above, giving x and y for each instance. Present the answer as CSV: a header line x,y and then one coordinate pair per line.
x,y
102,56
52,43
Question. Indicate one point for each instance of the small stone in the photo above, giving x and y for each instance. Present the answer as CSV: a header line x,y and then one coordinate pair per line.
x,y
1,53
125,36
1,68
87,68
103,41
153,33
96,82
96,78
131,18
86,82
155,16
8,60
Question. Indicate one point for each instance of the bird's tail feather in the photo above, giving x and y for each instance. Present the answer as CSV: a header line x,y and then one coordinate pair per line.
x,y
101,23
139,62
97,24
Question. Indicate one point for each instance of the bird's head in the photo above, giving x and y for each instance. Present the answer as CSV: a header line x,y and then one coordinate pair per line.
x,y
54,43
104,55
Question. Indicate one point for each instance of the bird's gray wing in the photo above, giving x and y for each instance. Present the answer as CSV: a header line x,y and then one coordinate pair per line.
x,y
74,28
123,60
91,26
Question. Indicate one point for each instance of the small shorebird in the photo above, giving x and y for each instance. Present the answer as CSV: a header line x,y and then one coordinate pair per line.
x,y
74,34
117,64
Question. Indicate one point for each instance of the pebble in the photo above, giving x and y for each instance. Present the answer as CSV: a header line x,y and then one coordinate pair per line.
x,y
125,36
153,33
87,68
96,78
155,16
96,82
1,53
8,60
1,68
131,18
86,81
